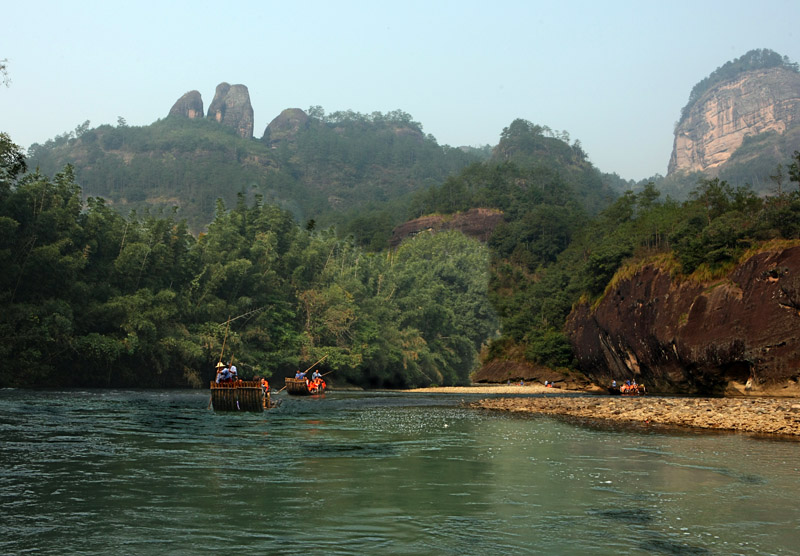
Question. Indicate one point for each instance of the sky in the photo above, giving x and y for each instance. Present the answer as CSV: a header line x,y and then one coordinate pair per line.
x,y
613,74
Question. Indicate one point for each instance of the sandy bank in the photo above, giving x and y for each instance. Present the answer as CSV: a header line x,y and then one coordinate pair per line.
x,y
751,415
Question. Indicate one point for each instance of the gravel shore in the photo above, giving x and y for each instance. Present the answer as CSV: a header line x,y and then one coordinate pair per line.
x,y
752,415
761,415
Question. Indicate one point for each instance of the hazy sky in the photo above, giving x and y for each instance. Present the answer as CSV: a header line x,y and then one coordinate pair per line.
x,y
612,74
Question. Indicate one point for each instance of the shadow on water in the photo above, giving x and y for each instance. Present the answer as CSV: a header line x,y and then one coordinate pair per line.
x,y
636,516
370,449
661,545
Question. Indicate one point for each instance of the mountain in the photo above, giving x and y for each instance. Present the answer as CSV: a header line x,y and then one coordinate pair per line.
x,y
320,167
739,124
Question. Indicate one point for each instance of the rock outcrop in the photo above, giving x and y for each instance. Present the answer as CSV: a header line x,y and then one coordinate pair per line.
x,y
478,223
231,107
717,123
738,335
286,126
189,106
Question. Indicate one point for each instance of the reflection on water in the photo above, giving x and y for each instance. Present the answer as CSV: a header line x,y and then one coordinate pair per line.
x,y
156,472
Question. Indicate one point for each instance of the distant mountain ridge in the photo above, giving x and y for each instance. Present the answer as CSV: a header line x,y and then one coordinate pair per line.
x,y
317,166
740,123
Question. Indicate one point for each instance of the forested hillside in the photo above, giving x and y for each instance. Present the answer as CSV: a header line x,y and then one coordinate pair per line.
x,y
90,297
332,164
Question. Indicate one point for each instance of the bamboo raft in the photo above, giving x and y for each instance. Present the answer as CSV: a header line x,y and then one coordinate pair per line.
x,y
299,387
240,395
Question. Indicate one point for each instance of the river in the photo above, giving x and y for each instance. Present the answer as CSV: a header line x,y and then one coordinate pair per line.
x,y
156,472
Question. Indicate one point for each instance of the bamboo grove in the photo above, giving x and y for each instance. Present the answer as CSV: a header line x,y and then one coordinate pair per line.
x,y
93,298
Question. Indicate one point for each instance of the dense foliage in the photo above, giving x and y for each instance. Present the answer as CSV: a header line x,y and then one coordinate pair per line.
x,y
91,297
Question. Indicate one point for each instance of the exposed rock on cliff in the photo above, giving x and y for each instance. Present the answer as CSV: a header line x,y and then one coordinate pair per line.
x,y
478,223
189,106
736,335
231,107
717,123
286,126
502,371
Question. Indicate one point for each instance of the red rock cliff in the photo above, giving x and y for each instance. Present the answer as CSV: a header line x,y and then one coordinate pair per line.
x,y
740,334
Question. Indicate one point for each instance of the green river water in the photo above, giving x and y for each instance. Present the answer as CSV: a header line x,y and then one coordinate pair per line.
x,y
156,472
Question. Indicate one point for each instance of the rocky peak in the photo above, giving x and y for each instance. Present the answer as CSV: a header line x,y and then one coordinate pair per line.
x,y
286,125
190,105
748,104
231,107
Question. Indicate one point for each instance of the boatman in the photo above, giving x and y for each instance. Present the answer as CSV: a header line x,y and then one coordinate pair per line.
x,y
315,375
234,372
220,368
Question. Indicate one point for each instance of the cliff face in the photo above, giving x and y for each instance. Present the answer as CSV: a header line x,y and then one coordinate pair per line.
x,y
737,335
716,124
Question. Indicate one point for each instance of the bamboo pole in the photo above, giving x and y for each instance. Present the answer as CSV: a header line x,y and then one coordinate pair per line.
x,y
225,339
315,364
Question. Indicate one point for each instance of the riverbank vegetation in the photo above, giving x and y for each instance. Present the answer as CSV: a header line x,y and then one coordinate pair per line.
x,y
93,298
